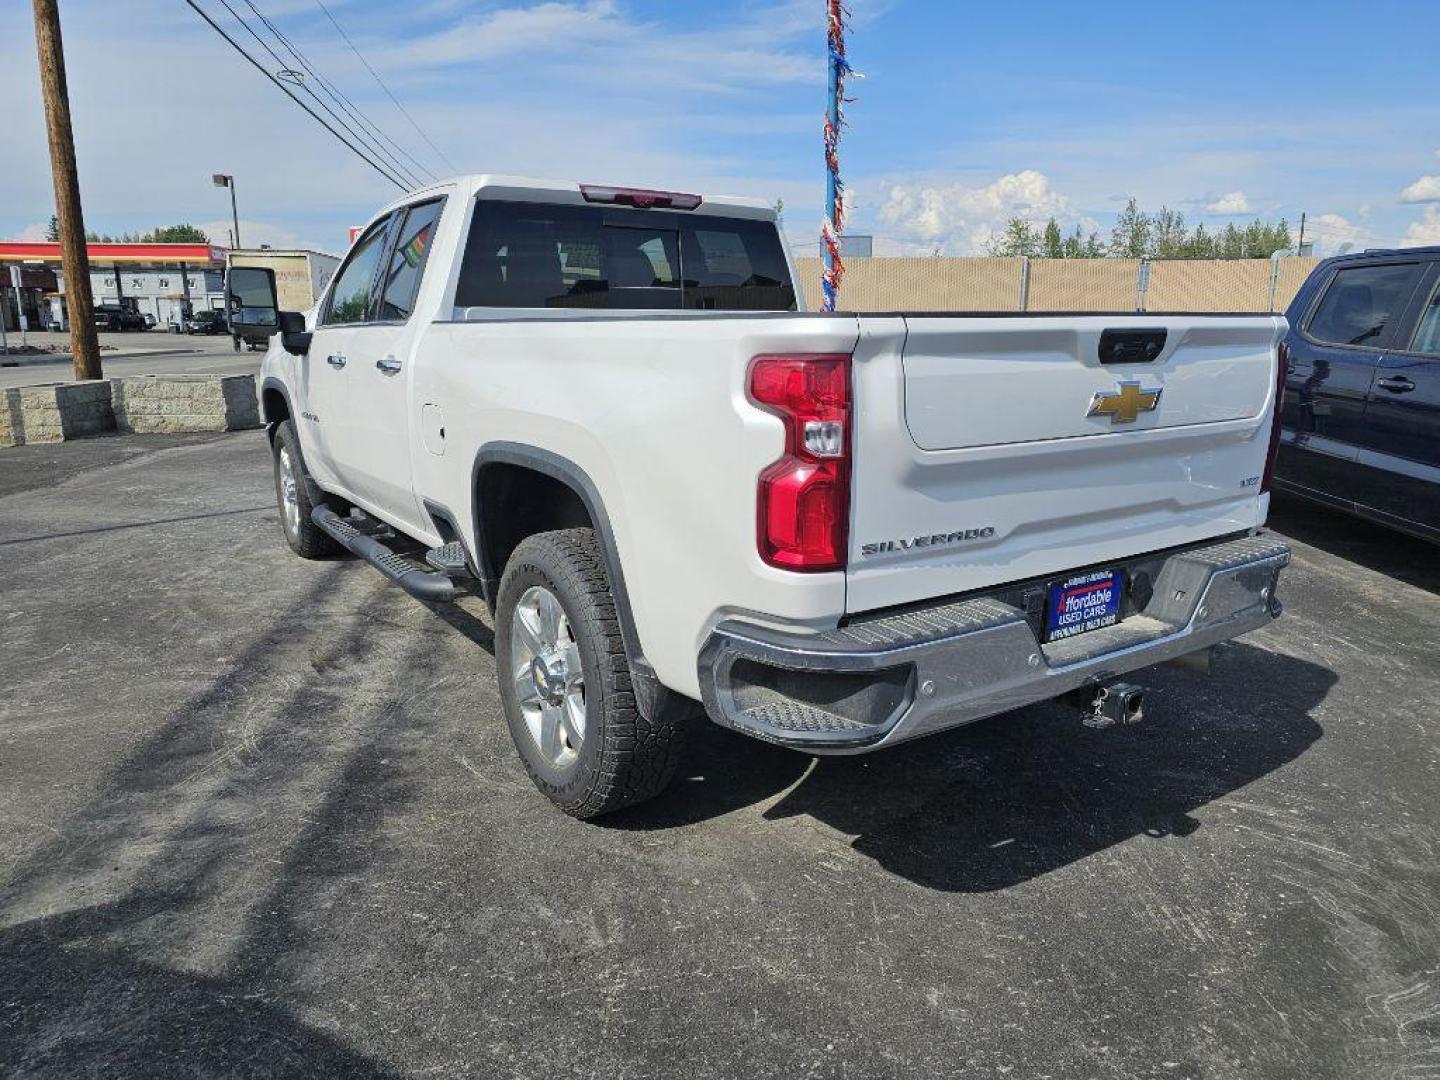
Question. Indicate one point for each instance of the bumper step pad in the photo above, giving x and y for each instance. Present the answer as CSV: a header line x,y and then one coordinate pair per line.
x,y
449,559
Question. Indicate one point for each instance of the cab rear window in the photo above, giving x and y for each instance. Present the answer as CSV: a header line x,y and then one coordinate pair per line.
x,y
534,255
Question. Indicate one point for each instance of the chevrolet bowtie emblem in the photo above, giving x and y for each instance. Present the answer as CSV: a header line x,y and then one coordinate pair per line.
x,y
1125,404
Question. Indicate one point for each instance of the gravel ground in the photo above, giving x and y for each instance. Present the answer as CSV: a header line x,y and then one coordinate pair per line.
x,y
261,817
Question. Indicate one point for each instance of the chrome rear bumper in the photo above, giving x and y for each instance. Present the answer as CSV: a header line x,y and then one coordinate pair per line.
x,y
879,681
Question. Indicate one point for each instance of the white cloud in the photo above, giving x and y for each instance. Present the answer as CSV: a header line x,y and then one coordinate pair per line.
x,y
1426,189
255,233
1425,231
32,233
1233,202
963,219
1331,231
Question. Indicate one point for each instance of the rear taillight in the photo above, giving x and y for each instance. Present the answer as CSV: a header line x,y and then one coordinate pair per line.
x,y
1282,364
804,497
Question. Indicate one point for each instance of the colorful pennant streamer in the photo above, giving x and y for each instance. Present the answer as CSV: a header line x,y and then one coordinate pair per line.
x,y
837,22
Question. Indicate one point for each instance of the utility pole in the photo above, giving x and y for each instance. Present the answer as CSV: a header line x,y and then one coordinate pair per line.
x,y
1300,247
84,344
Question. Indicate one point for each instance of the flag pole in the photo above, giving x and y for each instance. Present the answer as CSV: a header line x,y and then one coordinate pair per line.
x,y
836,18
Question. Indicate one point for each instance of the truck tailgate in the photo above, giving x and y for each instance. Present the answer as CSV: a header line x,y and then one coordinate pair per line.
x,y
994,449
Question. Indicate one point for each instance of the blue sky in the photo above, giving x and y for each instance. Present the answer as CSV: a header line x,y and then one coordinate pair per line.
x,y
969,113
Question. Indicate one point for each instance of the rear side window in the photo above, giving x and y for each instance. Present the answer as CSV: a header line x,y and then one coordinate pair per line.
x,y
533,255
1361,301
407,264
1427,334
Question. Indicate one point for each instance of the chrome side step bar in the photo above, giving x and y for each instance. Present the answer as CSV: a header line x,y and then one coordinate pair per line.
x,y
431,586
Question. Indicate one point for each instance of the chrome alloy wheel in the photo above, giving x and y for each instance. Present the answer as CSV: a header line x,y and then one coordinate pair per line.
x,y
549,679
289,492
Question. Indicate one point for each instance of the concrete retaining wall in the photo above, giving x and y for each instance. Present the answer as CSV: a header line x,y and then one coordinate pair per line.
x,y
185,403
12,431
57,411
142,404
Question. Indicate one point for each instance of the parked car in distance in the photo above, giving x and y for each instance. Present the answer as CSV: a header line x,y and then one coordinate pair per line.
x,y
114,317
149,321
1361,414
208,321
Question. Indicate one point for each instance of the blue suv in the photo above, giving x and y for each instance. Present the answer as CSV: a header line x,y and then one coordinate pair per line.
x,y
1361,416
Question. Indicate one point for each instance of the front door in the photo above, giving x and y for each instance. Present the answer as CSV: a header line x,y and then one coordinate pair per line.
x,y
1333,359
332,367
1401,446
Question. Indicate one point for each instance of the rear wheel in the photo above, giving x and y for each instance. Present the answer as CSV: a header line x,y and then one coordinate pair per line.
x,y
565,681
292,494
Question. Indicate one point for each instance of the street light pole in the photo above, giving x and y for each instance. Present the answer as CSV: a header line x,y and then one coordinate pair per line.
x,y
225,181
84,344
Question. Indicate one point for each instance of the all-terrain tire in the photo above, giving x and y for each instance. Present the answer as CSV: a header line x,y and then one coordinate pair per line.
x,y
305,538
625,757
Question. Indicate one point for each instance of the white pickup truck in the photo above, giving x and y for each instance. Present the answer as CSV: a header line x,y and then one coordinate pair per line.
x,y
602,410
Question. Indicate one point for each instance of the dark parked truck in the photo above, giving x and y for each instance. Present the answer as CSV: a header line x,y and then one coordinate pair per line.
x,y
1361,416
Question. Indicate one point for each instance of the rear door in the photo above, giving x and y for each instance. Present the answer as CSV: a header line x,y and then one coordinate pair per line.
x,y
991,450
1333,359
1400,444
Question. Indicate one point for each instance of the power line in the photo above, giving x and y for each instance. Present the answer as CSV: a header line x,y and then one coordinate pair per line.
x,y
368,143
340,98
285,90
387,90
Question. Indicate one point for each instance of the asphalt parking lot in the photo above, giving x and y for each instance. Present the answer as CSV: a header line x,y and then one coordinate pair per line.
x,y
261,817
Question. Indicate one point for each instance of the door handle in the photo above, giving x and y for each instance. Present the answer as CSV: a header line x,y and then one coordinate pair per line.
x,y
389,365
335,360
1396,384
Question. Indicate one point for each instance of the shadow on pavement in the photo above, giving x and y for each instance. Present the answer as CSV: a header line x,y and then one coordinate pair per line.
x,y
1011,798
1387,551
98,1011
169,847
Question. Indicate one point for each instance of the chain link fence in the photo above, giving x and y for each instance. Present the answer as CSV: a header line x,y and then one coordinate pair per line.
x,y
1022,284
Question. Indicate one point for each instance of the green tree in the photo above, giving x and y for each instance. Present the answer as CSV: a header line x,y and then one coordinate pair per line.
x,y
1019,238
1167,234
1052,245
52,231
1130,238
189,234
1231,243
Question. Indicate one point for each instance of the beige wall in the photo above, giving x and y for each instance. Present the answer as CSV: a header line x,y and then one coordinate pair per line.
x,y
292,277
887,284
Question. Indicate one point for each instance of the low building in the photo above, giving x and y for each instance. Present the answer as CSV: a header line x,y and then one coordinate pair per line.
x,y
164,281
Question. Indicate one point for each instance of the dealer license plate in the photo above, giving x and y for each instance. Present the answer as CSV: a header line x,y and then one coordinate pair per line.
x,y
1080,604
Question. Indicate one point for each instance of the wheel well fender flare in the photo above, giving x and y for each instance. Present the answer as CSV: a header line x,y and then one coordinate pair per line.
x,y
272,383
578,480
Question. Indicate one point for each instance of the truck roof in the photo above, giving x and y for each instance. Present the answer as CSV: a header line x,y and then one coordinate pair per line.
x,y
538,189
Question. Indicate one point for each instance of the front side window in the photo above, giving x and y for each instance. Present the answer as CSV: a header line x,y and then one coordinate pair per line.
x,y
1361,301
407,264
350,298
534,255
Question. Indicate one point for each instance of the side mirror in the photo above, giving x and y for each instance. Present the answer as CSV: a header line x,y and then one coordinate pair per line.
x,y
294,338
250,301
